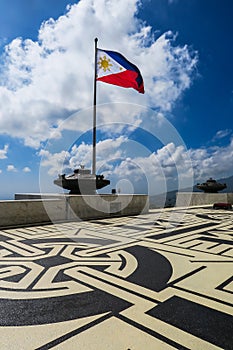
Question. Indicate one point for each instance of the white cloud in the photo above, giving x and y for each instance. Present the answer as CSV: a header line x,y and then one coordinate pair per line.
x,y
122,158
179,167
54,161
11,168
3,152
109,149
26,169
221,134
44,81
214,161
169,167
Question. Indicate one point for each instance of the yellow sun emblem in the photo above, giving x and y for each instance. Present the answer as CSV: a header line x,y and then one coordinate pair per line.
x,y
104,63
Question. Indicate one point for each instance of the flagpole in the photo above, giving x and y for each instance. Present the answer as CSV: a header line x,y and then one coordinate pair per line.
x,y
94,115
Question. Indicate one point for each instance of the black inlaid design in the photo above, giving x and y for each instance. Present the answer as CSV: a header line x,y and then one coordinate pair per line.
x,y
17,277
207,217
123,264
216,240
101,222
201,321
98,241
209,234
71,334
43,280
169,222
45,310
62,277
64,240
154,333
56,260
224,284
4,238
153,271
179,231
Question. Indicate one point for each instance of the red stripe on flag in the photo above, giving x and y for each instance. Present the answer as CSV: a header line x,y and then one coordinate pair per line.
x,y
126,79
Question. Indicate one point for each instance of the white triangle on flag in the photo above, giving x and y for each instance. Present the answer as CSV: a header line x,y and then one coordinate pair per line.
x,y
106,65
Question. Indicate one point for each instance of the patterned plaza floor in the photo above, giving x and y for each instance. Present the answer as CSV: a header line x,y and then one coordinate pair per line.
x,y
150,282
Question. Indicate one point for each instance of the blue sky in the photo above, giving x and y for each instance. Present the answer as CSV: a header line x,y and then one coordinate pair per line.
x,y
179,132
208,28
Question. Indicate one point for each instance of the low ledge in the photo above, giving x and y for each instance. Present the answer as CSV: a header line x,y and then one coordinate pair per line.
x,y
32,209
200,198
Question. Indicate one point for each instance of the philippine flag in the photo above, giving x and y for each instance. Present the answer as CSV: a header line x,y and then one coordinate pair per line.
x,y
114,68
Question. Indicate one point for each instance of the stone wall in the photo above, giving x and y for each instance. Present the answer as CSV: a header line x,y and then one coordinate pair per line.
x,y
69,207
198,198
26,212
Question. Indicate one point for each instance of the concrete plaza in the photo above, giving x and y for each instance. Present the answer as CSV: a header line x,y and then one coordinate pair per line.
x,y
157,281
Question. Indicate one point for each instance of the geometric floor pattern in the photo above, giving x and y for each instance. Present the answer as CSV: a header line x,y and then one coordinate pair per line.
x,y
157,281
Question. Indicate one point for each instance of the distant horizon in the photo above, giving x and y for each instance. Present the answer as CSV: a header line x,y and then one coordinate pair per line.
x,y
11,196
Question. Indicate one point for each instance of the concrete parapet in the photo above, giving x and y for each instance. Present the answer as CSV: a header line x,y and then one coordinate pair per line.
x,y
198,198
26,212
102,206
57,208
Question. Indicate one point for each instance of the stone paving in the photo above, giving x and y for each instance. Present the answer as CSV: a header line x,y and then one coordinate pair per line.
x,y
157,281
